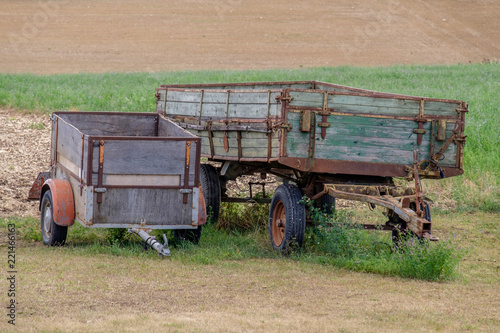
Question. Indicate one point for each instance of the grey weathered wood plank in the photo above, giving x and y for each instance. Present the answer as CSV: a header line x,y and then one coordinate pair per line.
x,y
69,142
112,124
167,128
252,111
154,206
374,105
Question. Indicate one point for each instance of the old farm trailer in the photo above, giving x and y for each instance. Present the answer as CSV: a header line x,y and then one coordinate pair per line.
x,y
138,171
326,141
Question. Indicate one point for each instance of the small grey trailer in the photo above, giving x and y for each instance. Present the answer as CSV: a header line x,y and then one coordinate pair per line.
x,y
138,171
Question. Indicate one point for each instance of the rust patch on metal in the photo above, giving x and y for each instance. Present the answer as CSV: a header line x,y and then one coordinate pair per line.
x,y
202,210
36,188
186,171
305,121
226,143
100,171
62,201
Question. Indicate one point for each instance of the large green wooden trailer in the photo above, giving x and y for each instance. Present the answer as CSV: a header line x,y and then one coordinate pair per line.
x,y
326,141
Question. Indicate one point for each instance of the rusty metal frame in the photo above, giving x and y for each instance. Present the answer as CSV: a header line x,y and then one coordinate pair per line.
x,y
418,225
356,168
289,84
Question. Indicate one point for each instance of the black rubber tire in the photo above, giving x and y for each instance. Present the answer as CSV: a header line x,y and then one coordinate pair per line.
x,y
190,235
402,232
210,187
327,204
52,234
285,205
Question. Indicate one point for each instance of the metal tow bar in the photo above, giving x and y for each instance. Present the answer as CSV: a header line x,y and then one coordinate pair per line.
x,y
420,226
162,249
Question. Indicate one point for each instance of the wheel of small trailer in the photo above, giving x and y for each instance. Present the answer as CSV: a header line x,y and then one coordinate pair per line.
x,y
190,235
210,187
287,219
401,231
52,234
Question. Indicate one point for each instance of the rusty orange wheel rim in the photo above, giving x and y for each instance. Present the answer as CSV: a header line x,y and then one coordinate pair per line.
x,y
278,223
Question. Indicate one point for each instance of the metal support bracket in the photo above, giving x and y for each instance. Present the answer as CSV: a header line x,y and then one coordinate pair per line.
x,y
418,225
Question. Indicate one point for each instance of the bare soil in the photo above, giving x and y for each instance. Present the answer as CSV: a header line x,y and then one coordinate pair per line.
x,y
24,152
65,36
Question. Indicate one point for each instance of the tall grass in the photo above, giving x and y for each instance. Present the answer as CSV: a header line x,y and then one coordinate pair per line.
x,y
477,84
337,241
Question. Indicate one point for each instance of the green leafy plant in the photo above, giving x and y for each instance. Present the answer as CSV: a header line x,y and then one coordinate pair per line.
x,y
335,240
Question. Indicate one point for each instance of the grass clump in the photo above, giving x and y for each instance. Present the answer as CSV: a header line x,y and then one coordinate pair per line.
x,y
336,241
243,217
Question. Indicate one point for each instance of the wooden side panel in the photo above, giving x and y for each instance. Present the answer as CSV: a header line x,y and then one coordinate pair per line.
x,y
365,139
153,206
168,129
146,158
69,143
246,86
372,105
106,124
338,88
253,144
251,105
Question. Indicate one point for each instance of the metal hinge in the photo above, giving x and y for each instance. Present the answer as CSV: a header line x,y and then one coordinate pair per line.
x,y
287,126
283,97
419,131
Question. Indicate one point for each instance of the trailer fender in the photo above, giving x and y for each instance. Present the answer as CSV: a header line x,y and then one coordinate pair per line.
x,y
62,200
202,209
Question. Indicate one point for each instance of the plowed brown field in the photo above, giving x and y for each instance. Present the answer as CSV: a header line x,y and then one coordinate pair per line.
x,y
129,35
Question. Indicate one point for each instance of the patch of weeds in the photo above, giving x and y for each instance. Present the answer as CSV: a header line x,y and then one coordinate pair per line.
x,y
243,216
36,126
422,259
336,241
26,228
117,236
31,231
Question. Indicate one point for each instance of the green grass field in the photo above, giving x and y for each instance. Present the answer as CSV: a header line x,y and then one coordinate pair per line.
x,y
477,84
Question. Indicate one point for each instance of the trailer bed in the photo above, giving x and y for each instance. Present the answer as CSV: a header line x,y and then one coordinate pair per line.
x,y
319,127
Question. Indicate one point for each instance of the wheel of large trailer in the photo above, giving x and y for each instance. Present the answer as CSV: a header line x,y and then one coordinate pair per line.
x,y
52,234
190,235
327,204
401,231
210,187
287,219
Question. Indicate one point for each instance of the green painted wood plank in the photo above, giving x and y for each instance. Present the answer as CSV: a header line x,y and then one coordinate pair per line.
x,y
374,105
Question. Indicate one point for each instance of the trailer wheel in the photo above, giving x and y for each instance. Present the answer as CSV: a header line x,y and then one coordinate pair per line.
x,y
210,187
52,234
327,204
287,219
190,235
